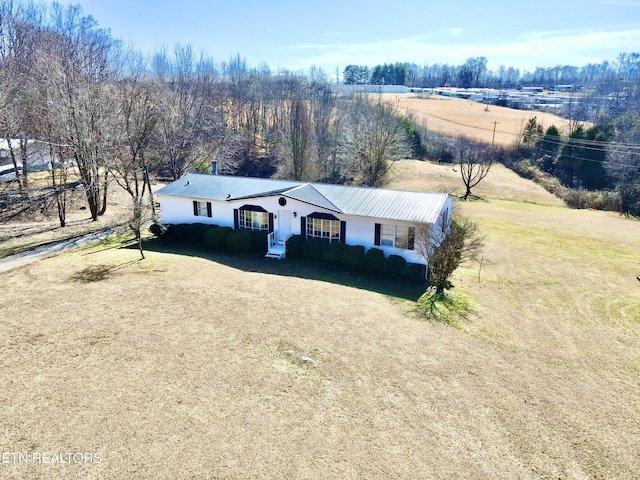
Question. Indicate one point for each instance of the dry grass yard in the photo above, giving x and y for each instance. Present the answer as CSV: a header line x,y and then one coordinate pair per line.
x,y
455,116
40,226
183,366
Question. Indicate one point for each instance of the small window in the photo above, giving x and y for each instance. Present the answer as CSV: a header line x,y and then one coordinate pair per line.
x,y
202,209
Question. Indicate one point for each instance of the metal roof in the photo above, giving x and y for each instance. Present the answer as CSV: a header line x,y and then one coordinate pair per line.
x,y
370,202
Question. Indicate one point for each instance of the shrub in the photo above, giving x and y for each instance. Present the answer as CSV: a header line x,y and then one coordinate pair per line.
x,y
374,261
259,241
314,248
239,241
395,266
295,247
178,232
195,232
415,272
216,237
157,229
353,257
332,254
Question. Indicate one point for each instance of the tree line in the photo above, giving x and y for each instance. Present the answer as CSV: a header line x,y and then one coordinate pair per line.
x,y
116,115
475,73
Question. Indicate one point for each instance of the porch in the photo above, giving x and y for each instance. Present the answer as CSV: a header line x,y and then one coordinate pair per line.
x,y
277,245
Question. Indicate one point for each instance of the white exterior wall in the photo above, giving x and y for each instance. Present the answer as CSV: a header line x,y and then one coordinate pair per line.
x,y
359,230
176,210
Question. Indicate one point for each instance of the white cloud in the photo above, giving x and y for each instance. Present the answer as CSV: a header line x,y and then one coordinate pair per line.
x,y
543,49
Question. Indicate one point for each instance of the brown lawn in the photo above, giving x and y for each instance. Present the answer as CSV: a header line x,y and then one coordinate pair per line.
x,y
454,116
189,367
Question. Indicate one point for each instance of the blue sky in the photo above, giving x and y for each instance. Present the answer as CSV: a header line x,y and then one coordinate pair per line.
x,y
334,33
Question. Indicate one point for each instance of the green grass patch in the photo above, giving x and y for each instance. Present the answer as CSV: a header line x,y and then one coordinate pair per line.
x,y
452,308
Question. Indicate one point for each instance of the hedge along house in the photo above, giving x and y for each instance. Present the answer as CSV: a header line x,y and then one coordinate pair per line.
x,y
371,217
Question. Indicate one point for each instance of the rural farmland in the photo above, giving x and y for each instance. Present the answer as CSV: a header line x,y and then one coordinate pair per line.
x,y
455,116
195,365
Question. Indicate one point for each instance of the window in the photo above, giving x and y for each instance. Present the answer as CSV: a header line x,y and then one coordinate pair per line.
x,y
396,236
202,209
253,220
323,228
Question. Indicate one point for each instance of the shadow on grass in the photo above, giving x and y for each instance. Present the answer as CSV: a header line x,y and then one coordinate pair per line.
x,y
257,263
97,273
446,308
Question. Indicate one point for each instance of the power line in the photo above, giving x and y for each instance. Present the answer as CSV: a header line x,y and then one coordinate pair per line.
x,y
583,159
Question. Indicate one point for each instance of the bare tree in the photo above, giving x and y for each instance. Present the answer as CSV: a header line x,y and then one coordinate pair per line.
x,y
374,141
192,129
79,67
298,160
474,163
135,119
19,28
446,246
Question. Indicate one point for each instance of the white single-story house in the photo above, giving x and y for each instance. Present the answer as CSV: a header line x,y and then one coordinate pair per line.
x,y
371,217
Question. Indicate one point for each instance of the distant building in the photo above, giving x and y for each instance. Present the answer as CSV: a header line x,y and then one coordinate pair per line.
x,y
351,89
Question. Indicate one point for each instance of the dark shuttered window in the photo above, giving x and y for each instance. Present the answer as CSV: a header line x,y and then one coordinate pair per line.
x,y
202,209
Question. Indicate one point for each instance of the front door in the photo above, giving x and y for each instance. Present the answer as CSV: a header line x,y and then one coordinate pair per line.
x,y
285,219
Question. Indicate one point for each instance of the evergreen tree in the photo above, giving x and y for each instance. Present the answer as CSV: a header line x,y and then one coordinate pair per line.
x,y
548,148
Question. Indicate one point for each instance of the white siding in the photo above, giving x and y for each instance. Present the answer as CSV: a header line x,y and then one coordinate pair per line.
x,y
359,230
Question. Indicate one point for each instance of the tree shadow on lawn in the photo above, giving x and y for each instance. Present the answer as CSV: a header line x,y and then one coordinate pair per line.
x,y
253,262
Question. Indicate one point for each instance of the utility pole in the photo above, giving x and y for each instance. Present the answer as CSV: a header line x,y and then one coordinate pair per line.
x,y
495,123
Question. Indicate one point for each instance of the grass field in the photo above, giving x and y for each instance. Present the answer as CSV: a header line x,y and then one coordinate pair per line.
x,y
191,366
454,116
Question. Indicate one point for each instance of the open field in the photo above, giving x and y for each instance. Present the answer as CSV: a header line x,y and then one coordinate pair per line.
x,y
455,116
184,366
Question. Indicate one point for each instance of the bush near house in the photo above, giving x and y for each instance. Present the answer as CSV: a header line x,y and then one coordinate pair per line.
x,y
395,266
259,241
332,254
216,237
314,248
177,232
374,261
295,247
239,241
195,232
157,230
335,254
415,272
353,258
